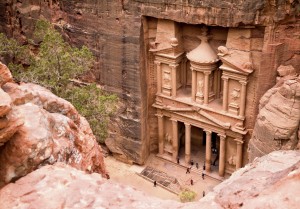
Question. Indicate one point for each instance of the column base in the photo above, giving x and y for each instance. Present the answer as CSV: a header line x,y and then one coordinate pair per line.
x,y
187,159
208,165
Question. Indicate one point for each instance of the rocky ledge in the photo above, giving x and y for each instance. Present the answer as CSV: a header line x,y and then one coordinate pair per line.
x,y
38,128
269,182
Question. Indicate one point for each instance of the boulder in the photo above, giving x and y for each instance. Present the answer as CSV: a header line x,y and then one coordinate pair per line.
x,y
277,124
38,128
273,177
5,75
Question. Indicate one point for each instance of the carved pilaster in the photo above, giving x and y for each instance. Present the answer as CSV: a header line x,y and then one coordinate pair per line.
x,y
243,98
225,93
239,153
159,75
160,118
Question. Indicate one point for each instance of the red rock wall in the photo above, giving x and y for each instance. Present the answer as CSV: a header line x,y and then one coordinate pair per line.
x,y
114,30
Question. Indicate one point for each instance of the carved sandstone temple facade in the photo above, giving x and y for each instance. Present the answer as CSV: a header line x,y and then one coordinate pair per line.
x,y
201,95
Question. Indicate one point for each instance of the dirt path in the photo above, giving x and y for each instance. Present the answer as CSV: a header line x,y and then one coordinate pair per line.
x,y
126,174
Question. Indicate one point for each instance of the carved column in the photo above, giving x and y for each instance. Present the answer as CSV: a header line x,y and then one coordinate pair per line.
x,y
225,94
206,87
194,84
208,151
175,139
159,75
239,153
243,98
222,155
187,143
160,133
173,77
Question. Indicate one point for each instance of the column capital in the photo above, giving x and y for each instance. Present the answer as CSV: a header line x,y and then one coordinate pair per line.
x,y
244,83
239,141
222,136
157,62
206,73
207,131
187,124
159,115
173,120
225,77
173,65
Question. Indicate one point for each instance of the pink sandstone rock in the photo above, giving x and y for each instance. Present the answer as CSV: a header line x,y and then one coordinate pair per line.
x,y
277,124
39,128
5,75
269,182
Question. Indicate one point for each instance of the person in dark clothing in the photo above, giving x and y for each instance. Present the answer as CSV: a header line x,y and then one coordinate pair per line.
x,y
203,193
192,182
192,162
203,176
154,183
204,167
197,165
188,170
177,160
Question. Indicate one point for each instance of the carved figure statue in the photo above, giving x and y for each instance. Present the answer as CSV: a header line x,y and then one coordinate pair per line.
x,y
235,94
200,86
232,160
167,79
168,138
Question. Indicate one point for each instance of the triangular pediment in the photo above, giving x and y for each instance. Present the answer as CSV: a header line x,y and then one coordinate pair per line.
x,y
236,61
214,120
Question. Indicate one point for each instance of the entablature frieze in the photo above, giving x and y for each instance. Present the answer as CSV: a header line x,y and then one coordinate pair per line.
x,y
178,103
238,77
169,59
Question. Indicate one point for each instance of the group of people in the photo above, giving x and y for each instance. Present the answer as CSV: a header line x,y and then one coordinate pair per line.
x,y
188,170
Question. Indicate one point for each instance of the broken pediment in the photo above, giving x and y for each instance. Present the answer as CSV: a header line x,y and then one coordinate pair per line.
x,y
235,61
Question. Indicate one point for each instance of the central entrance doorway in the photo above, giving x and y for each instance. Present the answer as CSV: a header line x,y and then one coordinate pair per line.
x,y
198,148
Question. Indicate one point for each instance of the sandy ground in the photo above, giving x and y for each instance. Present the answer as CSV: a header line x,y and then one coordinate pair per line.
x,y
126,174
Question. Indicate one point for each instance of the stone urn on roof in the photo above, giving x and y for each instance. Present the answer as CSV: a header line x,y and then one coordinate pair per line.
x,y
203,61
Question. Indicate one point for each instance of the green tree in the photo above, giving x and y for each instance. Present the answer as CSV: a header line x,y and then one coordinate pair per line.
x,y
53,66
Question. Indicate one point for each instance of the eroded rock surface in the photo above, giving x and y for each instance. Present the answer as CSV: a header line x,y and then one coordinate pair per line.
x,y
119,31
38,128
269,182
277,124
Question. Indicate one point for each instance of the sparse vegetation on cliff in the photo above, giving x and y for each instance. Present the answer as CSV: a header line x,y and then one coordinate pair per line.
x,y
53,65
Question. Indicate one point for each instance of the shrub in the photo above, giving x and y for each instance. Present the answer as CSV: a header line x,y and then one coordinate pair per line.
x,y
53,66
187,195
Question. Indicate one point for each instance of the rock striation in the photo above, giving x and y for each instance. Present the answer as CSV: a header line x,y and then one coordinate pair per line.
x,y
278,122
269,182
38,128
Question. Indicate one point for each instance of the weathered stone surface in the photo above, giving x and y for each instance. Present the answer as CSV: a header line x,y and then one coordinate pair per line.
x,y
39,128
118,32
5,75
5,103
273,177
277,123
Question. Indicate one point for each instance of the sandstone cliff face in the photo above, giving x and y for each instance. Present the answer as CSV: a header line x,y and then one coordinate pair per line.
x,y
270,182
116,33
38,128
278,122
